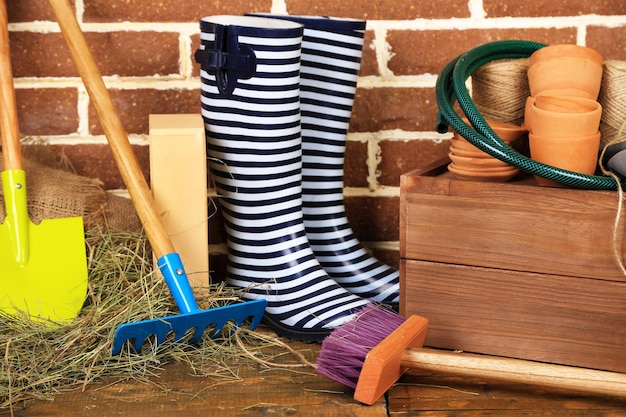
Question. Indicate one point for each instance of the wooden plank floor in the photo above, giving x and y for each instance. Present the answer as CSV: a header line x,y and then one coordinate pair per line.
x,y
258,391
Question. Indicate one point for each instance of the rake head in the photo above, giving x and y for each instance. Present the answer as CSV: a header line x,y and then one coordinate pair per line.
x,y
182,325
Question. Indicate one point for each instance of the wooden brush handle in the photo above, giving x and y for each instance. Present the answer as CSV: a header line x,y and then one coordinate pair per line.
x,y
113,129
11,153
515,370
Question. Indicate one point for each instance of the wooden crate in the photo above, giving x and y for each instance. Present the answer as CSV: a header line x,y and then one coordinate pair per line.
x,y
514,269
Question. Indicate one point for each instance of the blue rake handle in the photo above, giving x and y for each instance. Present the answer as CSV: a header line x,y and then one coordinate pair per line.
x,y
191,317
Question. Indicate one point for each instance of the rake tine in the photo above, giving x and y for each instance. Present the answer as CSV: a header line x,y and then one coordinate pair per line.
x,y
181,323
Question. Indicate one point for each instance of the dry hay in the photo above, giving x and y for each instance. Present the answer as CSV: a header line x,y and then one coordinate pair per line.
x,y
40,361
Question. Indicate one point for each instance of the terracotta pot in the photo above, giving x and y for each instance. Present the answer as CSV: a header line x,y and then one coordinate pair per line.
x,y
500,175
469,162
565,50
527,115
507,132
476,163
468,153
570,70
563,117
577,154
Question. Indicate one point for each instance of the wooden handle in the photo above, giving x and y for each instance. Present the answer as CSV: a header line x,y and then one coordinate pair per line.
x,y
515,370
11,152
113,129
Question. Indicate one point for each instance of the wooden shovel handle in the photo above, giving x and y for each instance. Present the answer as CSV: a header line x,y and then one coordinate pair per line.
x,y
11,152
113,129
515,370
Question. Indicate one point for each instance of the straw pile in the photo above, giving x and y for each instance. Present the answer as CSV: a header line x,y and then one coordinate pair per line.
x,y
39,361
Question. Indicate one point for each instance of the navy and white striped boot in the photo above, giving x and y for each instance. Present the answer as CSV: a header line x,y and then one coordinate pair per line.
x,y
331,60
251,109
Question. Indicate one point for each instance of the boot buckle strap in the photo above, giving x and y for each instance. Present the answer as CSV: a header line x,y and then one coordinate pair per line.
x,y
228,62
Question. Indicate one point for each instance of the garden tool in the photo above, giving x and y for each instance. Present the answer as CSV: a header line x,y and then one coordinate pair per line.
x,y
251,109
330,64
44,266
373,351
192,319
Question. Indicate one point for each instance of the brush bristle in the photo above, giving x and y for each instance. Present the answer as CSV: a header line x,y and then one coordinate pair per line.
x,y
344,351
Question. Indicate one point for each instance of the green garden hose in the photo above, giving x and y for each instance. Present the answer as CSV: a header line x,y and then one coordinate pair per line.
x,y
451,87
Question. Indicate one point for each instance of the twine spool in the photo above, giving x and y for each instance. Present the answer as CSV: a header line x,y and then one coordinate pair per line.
x,y
613,99
500,89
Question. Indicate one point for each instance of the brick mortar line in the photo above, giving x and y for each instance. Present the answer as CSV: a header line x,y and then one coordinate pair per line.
x,y
185,81
399,135
49,26
456,23
380,191
476,8
166,82
80,138
453,23
374,157
82,109
279,6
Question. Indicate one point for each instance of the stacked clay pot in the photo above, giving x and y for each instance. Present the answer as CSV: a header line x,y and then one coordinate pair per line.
x,y
470,163
563,115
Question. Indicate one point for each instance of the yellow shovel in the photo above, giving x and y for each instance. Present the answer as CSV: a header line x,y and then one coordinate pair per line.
x,y
43,268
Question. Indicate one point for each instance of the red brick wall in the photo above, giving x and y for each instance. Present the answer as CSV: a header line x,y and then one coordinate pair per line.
x,y
144,50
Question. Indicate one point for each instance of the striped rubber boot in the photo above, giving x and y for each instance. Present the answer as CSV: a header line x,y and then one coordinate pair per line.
x,y
331,59
251,109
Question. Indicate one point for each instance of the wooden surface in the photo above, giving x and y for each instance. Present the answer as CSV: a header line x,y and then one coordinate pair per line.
x,y
255,391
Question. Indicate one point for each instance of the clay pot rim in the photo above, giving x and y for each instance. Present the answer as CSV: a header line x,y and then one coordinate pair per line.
x,y
501,176
565,124
465,161
469,153
555,51
478,169
591,104
467,146
534,136
510,131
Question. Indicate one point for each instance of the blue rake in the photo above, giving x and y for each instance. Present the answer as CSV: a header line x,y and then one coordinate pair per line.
x,y
169,262
192,318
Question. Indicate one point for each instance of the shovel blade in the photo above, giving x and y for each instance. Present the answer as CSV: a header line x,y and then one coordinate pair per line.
x,y
52,285
182,325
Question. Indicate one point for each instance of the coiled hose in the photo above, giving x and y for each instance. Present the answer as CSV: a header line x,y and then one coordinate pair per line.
x,y
451,87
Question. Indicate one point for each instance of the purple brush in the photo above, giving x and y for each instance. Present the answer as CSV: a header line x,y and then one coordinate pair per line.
x,y
371,352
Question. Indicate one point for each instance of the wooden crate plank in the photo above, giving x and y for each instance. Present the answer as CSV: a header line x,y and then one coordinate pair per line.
x,y
510,226
549,318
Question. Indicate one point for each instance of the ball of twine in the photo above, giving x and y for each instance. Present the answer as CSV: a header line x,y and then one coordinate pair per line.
x,y
500,89
613,99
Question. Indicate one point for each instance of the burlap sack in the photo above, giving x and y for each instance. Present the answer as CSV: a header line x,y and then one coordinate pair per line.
x,y
56,193
120,214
